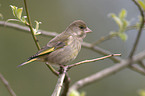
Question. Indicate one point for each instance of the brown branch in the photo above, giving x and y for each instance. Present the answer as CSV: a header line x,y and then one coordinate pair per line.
x,y
104,38
92,60
60,81
107,72
115,59
52,69
140,29
136,67
142,64
100,51
82,62
66,85
25,28
84,44
30,26
6,83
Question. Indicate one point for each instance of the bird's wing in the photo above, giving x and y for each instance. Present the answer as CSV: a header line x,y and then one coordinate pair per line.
x,y
47,50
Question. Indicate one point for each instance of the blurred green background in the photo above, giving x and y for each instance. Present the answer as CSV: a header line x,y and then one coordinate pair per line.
x,y
36,79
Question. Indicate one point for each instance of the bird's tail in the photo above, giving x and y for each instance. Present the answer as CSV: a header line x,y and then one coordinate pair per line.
x,y
28,62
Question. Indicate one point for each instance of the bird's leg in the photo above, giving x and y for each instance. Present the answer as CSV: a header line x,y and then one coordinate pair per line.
x,y
61,68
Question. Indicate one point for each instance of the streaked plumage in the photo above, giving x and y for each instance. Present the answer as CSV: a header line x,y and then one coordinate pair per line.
x,y
63,48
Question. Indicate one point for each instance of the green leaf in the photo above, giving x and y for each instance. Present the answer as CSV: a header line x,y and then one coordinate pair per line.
x,y
74,93
36,28
83,94
117,20
122,14
124,26
36,32
142,4
19,12
122,23
37,25
141,92
23,19
123,36
14,9
125,23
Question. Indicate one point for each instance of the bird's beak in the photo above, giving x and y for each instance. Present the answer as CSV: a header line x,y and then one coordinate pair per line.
x,y
88,30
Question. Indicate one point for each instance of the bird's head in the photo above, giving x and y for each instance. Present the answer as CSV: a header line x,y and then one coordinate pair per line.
x,y
78,28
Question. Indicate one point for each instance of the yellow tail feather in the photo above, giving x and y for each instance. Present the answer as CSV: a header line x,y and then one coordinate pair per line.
x,y
27,62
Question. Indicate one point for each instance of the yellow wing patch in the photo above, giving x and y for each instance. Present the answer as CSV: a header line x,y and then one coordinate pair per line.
x,y
27,62
47,51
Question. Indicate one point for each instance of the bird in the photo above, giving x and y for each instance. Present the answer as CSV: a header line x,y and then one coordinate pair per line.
x,y
63,48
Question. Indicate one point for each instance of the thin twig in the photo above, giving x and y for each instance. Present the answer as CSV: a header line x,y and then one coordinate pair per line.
x,y
104,38
30,26
25,28
34,37
60,81
6,83
101,51
52,69
92,60
97,76
142,64
136,67
106,52
140,29
110,36
52,34
66,85
107,72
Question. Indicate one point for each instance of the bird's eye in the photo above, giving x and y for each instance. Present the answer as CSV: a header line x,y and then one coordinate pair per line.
x,y
82,27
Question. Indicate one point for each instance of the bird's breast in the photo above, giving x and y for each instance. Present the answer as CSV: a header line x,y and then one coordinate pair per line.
x,y
66,54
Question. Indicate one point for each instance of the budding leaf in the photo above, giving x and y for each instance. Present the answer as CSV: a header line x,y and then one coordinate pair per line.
x,y
14,9
117,20
142,3
141,92
122,23
123,36
74,93
36,28
122,14
19,12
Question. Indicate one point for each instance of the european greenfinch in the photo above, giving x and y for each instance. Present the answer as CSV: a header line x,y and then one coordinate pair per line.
x,y
63,48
